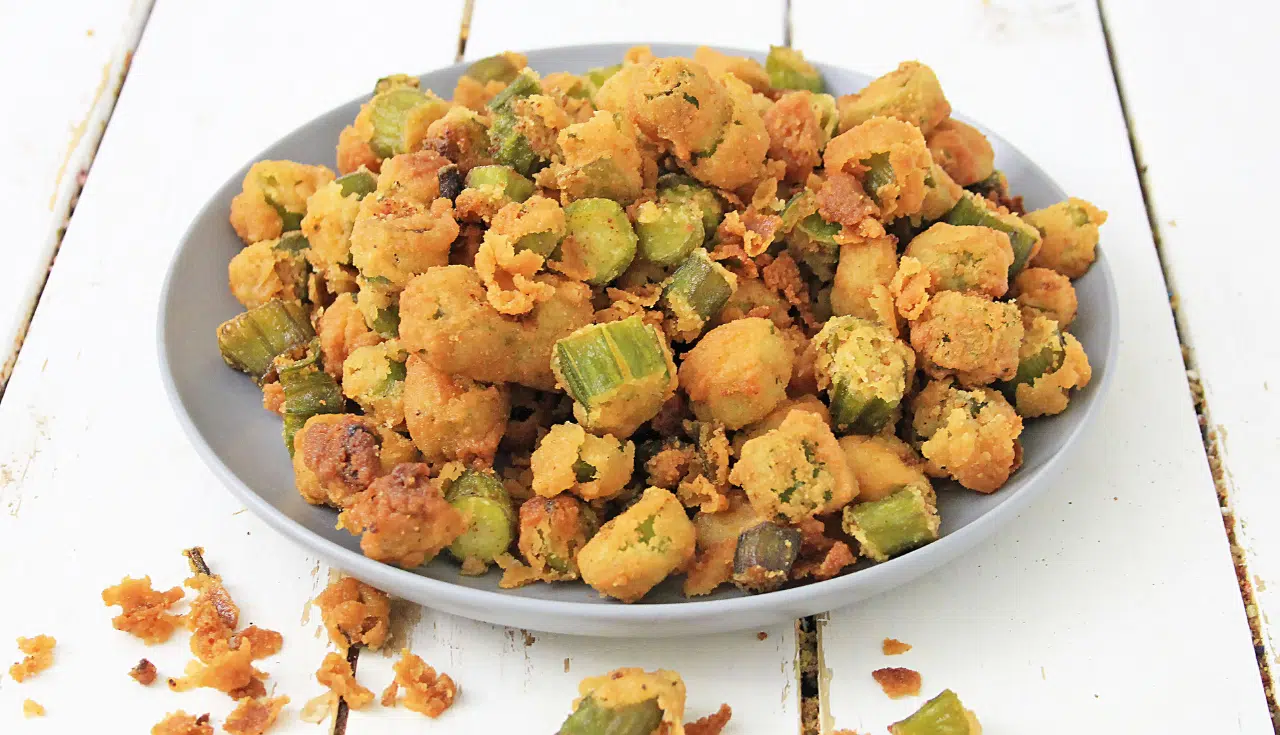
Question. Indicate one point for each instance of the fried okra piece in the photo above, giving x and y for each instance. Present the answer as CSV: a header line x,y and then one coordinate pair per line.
x,y
501,67
373,377
337,456
524,125
452,417
396,237
717,544
619,374
599,242
736,159
753,297
799,125
552,532
639,547
788,69
795,471
910,93
1069,232
395,120
403,518
945,257
491,518
1050,363
599,159
678,188
861,286
628,701
942,715
668,231
1023,238
677,101
738,372
251,341
376,299
355,613
763,557
331,215
264,271
462,137
893,525
968,435
568,459
962,151
413,176
865,371
1045,292
695,294
445,316
889,158
884,464
273,198
307,391
745,69
968,336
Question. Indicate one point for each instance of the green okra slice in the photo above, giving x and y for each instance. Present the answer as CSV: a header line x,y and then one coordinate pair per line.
x,y
1042,351
593,718
678,188
599,236
894,525
942,715
764,557
388,113
972,210
696,293
483,500
513,185
788,69
308,391
865,370
668,231
251,341
361,183
493,69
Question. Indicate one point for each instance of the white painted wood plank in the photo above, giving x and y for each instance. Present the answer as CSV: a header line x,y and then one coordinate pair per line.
x,y
96,479
491,665
1219,262
64,63
1112,600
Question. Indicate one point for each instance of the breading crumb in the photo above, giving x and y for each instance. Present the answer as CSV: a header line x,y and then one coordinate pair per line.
x,y
712,724
39,656
254,716
144,673
355,613
181,723
894,647
762,636
898,682
32,708
144,611
335,672
425,691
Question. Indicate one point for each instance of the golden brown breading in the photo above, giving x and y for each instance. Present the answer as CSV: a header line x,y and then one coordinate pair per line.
x,y
898,682
745,69
425,691
213,617
717,542
677,101
910,93
144,672
396,238
262,272
737,158
271,188
462,137
712,724
1069,236
452,417
506,267
229,670
884,141
335,673
32,708
143,611
38,656
738,372
1045,292
568,459
962,151
795,471
254,716
968,435
639,547
599,159
894,647
342,329
403,518
795,135
355,613
861,287
1048,394
336,457
968,336
963,258
884,464
622,687
181,723
412,176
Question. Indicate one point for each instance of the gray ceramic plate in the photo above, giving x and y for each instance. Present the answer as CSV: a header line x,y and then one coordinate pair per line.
x,y
222,412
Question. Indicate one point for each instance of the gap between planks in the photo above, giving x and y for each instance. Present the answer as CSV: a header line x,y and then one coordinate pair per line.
x,y
1208,435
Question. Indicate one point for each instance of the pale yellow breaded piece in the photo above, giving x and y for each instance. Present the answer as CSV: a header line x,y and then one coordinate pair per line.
x,y
795,471
962,151
568,459
552,531
373,377
342,330
969,435
452,417
738,372
1061,364
796,136
327,227
970,337
444,314
891,155
1045,292
861,287
962,258
1069,236
884,464
639,547
413,176
910,93
395,238
274,197
263,271
736,160
748,70
677,101
599,159
337,456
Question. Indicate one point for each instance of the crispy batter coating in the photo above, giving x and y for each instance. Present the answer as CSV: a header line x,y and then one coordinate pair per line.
x,y
1045,292
396,238
861,287
677,101
32,708
745,69
38,656
229,670
254,716
425,691
265,643
452,417
474,95
898,682
355,613
1049,393
962,151
753,298
327,227
968,435
143,611
910,93
460,136
144,672
962,258
627,686
181,723
795,471
639,547
884,142
599,159
372,376
262,272
337,456
884,464
712,724
894,647
568,459
506,265
842,199
335,672
717,542
552,532
342,329
737,158
796,136
403,518
738,372
968,336
272,189
1069,236
445,315
412,176
213,617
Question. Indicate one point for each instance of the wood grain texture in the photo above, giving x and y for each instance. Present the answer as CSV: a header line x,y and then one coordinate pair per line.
x,y
65,65
1114,594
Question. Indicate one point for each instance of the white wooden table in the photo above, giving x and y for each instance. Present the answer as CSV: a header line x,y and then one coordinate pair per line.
x,y
1110,606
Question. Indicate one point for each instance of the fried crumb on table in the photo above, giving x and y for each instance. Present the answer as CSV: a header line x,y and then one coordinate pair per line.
x,y
32,708
355,613
712,724
894,647
898,682
229,670
425,691
335,672
213,617
254,716
181,723
39,656
144,672
144,611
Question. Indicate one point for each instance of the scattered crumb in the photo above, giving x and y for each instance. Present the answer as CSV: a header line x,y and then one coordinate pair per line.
x,y
425,691
762,636
39,656
529,640
254,716
144,611
144,673
355,613
566,666
181,723
213,617
898,682
265,642
894,647
712,724
31,708
335,672
229,670
319,709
